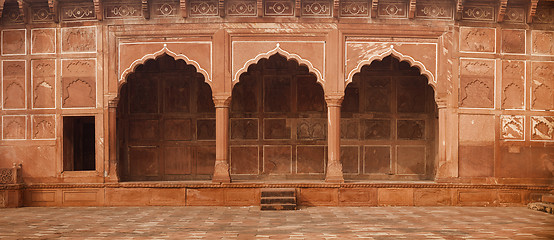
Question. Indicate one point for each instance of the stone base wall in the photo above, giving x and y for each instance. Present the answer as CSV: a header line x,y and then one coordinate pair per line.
x,y
242,194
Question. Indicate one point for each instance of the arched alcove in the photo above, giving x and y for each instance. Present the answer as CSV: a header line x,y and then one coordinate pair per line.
x,y
278,125
166,122
389,123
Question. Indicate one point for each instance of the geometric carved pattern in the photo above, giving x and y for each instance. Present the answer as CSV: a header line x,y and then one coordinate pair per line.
x,y
204,8
542,128
513,127
316,8
242,8
14,42
43,72
83,11
477,39
41,14
477,83
543,42
166,8
79,39
6,177
434,10
516,15
43,40
354,8
14,84
542,91
123,10
544,15
44,126
79,83
478,13
513,84
279,8
14,127
392,9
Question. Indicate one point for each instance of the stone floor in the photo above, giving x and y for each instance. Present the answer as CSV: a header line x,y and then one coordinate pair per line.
x,y
251,223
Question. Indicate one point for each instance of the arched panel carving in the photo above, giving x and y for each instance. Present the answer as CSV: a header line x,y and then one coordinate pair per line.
x,y
310,54
198,54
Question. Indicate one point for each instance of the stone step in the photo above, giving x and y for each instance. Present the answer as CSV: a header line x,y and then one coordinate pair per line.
x,y
278,200
548,198
278,207
278,192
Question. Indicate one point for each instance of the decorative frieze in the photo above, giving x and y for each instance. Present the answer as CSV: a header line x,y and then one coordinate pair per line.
x,y
316,8
513,127
478,13
354,8
11,14
80,12
41,14
279,8
434,10
242,8
166,8
544,15
204,8
122,10
515,15
392,9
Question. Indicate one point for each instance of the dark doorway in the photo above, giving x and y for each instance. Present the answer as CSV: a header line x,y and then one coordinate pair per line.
x,y
278,123
79,151
166,123
388,125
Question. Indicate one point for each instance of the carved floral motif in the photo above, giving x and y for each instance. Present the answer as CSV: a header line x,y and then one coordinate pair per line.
x,y
84,11
392,10
13,83
79,83
43,41
14,127
543,42
44,80
477,39
512,127
79,39
122,10
44,126
279,8
478,13
434,10
513,84
542,128
202,8
542,90
477,83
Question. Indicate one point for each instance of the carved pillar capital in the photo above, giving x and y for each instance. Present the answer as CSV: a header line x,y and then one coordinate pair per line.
x,y
334,99
222,101
112,103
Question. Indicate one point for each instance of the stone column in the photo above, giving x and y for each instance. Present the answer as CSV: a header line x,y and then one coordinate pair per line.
x,y
113,173
221,168
447,167
334,166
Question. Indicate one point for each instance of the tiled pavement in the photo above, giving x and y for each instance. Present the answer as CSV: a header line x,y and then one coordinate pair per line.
x,y
251,223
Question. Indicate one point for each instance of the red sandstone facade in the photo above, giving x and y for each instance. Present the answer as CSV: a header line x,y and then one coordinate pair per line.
x,y
351,102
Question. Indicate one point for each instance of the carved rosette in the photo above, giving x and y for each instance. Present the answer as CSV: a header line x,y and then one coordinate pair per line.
x,y
513,127
354,8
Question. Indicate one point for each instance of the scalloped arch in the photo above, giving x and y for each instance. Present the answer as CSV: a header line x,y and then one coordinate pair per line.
x,y
392,52
279,50
152,56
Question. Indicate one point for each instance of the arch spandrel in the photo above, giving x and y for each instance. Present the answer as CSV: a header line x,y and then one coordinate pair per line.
x,y
198,54
307,53
421,55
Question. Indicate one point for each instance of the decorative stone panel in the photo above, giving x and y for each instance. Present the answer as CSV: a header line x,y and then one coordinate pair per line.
x,y
43,81
512,127
513,84
513,41
122,9
40,14
478,12
79,40
205,129
515,15
377,160
354,8
543,42
473,39
14,84
279,8
14,127
43,41
78,12
277,159
310,159
434,10
78,83
542,128
410,159
242,8
410,129
167,8
311,129
14,42
392,9
542,89
43,126
477,83
476,129
244,160
544,15
204,8
11,13
317,8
